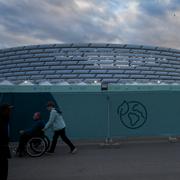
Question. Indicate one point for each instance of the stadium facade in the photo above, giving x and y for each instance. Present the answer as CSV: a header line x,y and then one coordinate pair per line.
x,y
104,90
90,62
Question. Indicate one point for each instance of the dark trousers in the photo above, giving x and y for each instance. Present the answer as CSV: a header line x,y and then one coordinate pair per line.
x,y
3,168
62,134
22,142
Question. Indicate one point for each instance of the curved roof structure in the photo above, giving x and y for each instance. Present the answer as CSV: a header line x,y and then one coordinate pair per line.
x,y
111,63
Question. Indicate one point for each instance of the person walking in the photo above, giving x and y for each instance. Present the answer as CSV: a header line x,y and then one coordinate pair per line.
x,y
5,110
56,121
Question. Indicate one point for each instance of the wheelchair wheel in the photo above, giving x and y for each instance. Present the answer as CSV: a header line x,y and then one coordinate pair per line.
x,y
36,147
47,141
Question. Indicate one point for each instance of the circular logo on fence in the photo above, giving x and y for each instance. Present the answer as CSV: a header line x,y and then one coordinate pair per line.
x,y
133,114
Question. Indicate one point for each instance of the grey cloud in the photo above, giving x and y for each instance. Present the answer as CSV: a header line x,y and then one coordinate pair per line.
x,y
153,7
157,30
51,21
159,7
75,26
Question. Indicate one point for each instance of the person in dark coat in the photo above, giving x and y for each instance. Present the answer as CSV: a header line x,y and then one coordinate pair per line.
x,y
35,130
5,110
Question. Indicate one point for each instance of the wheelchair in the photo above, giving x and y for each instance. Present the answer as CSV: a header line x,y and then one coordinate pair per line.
x,y
36,146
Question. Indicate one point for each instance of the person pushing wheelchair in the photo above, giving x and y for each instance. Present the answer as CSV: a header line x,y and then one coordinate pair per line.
x,y
56,121
25,135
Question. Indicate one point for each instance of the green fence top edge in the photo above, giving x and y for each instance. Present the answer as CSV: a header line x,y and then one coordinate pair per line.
x,y
48,88
144,87
85,88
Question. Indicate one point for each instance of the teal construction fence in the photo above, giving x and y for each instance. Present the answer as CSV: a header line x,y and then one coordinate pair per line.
x,y
90,113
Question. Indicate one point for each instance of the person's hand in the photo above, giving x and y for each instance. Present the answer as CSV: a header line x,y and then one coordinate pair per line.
x,y
21,131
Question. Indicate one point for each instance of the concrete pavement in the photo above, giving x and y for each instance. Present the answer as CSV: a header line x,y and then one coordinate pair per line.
x,y
137,161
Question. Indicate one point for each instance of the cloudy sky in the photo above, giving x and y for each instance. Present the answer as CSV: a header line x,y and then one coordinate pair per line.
x,y
145,22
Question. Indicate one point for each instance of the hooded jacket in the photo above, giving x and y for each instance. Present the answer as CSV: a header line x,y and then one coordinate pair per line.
x,y
55,121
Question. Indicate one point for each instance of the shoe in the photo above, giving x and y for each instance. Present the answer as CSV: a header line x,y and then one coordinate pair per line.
x,y
74,151
20,154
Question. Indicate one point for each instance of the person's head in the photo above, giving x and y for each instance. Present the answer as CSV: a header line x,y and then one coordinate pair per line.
x,y
50,105
37,116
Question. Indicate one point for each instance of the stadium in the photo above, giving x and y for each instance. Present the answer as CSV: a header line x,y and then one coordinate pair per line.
x,y
106,91
87,63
